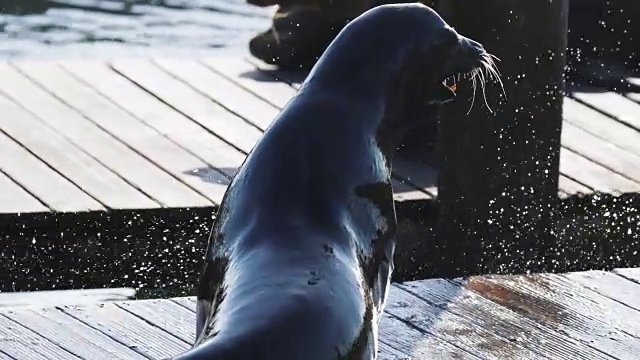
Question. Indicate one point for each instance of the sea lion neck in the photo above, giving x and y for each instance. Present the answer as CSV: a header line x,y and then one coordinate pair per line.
x,y
363,68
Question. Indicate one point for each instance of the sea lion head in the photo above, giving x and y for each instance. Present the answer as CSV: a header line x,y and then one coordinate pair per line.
x,y
403,58
399,63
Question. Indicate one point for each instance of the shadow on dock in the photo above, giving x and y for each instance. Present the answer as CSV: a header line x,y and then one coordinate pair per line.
x,y
163,248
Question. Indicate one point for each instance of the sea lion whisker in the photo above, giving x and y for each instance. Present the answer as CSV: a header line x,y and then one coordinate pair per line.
x,y
483,83
473,84
495,72
493,57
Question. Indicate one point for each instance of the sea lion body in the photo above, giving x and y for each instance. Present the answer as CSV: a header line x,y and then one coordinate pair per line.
x,y
301,253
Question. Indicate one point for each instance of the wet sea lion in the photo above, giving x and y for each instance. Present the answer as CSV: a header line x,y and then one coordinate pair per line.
x,y
300,256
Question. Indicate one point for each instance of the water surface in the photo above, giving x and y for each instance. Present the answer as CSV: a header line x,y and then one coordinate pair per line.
x,y
122,28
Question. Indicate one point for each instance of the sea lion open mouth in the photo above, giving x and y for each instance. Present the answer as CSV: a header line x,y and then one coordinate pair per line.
x,y
476,66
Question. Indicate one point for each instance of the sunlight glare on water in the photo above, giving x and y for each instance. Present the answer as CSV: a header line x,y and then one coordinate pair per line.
x,y
108,28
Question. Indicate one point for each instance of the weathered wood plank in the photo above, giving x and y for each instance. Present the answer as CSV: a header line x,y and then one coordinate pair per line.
x,y
122,125
199,108
415,344
397,339
176,317
278,94
610,285
550,316
253,79
571,186
633,95
76,165
50,298
563,307
58,193
602,126
222,90
614,105
594,303
423,177
70,334
594,175
14,199
210,149
600,151
403,191
130,331
450,328
631,274
174,125
20,343
165,314
294,79
231,96
546,343
132,167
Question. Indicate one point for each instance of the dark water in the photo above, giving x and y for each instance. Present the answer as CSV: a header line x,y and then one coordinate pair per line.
x,y
121,28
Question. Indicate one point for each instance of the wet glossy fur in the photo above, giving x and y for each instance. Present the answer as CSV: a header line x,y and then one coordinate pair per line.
x,y
300,256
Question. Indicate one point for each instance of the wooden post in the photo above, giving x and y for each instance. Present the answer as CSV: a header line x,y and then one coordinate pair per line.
x,y
498,181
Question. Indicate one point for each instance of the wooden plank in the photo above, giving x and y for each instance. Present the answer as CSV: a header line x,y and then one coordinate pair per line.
x,y
610,285
14,199
632,274
248,76
562,306
190,102
293,78
49,298
447,327
132,167
602,126
594,175
572,187
58,193
546,343
76,165
178,317
633,95
222,90
174,125
242,102
21,343
596,304
70,334
600,151
397,339
165,314
120,124
612,104
278,94
128,330
404,191
219,155
416,344
421,176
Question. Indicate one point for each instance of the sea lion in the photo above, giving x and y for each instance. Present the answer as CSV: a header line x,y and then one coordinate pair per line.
x,y
300,256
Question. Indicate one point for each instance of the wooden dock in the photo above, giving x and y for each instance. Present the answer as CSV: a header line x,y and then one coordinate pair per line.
x,y
80,136
589,315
